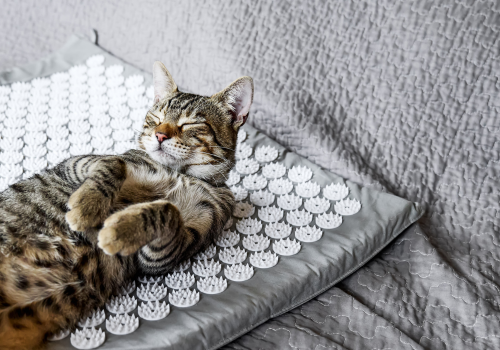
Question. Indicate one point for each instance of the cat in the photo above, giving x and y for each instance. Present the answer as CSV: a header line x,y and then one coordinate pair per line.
x,y
72,236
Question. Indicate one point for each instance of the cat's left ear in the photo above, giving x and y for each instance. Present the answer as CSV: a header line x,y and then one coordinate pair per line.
x,y
164,84
238,97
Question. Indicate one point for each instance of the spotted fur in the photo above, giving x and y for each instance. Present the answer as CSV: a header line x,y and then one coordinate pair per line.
x,y
71,236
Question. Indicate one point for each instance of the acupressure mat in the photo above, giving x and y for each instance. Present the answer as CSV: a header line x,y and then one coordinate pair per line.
x,y
296,229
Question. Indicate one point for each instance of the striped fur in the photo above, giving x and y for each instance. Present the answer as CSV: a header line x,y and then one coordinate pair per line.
x,y
72,235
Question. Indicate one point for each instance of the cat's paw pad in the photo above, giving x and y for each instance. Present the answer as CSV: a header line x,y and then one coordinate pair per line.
x,y
108,241
88,209
73,218
120,235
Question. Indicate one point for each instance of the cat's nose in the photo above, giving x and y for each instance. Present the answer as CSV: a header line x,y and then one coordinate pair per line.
x,y
161,137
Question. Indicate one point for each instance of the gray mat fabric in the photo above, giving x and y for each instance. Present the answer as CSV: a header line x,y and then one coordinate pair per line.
x,y
401,96
365,221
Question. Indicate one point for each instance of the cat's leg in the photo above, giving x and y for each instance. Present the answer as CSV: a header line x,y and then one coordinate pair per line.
x,y
25,327
91,203
127,230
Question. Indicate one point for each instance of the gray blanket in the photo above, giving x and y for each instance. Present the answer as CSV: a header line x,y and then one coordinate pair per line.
x,y
399,96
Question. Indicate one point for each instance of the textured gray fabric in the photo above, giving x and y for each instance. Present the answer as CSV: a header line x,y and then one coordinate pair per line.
x,y
217,319
401,96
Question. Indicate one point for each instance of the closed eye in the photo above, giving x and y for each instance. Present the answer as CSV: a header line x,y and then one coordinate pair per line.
x,y
152,120
188,126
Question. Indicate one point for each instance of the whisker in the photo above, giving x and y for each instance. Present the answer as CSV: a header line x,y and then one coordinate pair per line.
x,y
225,177
215,155
224,165
223,147
216,146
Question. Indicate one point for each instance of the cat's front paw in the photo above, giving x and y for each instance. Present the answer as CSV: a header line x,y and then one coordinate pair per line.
x,y
121,234
88,208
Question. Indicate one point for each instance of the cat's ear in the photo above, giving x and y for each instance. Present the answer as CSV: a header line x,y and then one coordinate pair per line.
x,y
163,82
238,97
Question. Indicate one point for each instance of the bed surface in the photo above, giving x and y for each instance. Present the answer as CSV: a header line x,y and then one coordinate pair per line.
x,y
397,97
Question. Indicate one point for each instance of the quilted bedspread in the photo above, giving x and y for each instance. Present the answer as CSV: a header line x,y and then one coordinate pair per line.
x,y
401,96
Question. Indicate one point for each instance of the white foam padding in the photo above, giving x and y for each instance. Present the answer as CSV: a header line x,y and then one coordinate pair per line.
x,y
280,186
278,230
270,214
308,234
87,338
299,217
289,201
149,279
153,310
122,324
262,198
300,174
274,170
347,206
263,259
286,247
233,178
151,291
247,166
336,192
183,266
317,205
227,239
208,253
254,182
212,285
179,280
242,135
121,304
249,226
238,272
239,192
128,288
93,320
265,154
206,267
184,297
232,255
63,333
307,189
329,220
243,151
256,242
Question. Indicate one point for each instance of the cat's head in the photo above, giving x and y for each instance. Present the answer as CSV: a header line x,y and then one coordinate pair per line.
x,y
193,134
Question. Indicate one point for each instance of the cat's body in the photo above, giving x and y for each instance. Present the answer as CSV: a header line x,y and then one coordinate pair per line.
x,y
73,235
59,275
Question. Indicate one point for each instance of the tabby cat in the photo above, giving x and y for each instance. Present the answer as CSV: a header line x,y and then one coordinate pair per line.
x,y
71,236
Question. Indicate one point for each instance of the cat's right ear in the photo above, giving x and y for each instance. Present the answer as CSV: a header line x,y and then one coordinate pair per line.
x,y
164,84
238,97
